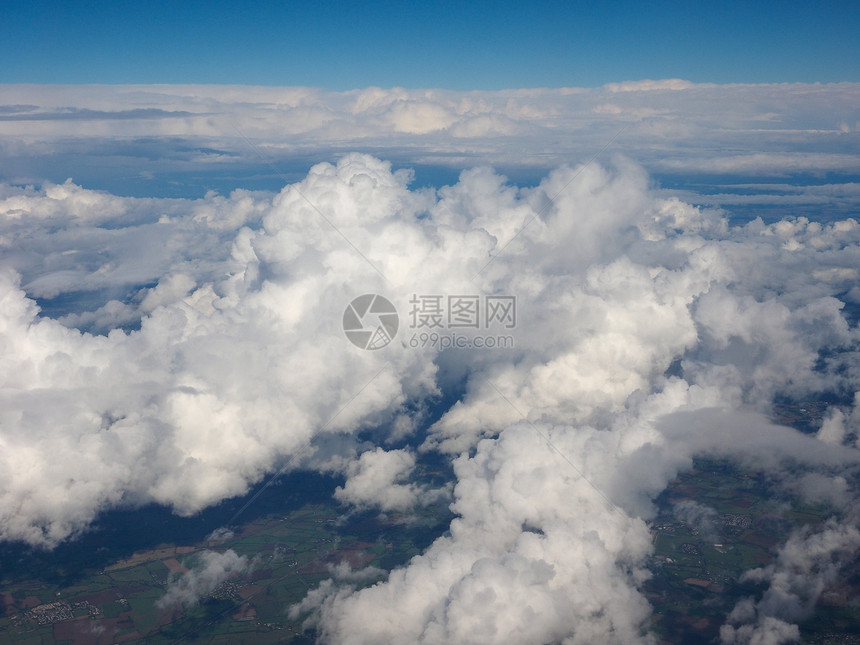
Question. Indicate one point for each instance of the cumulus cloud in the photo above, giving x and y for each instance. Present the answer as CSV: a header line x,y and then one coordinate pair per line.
x,y
211,569
169,412
373,479
343,572
542,509
807,564
64,238
513,566
221,534
649,331
626,321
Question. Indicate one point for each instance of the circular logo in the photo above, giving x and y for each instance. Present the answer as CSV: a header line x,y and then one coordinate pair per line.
x,y
370,321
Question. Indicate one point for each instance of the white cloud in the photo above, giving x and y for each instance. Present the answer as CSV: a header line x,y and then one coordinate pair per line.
x,y
212,569
214,388
674,84
372,481
671,126
768,164
493,581
807,564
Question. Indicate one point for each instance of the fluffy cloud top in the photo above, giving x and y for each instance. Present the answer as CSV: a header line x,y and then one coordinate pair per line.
x,y
372,479
648,331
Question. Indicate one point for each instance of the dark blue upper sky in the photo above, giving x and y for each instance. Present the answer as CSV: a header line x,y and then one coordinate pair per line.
x,y
476,45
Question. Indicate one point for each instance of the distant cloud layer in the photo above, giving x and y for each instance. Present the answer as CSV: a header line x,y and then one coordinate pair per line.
x,y
196,345
672,127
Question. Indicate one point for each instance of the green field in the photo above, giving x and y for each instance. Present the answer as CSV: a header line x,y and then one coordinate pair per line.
x,y
696,576
292,546
85,593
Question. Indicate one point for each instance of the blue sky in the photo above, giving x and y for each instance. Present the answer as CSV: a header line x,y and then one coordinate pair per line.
x,y
479,45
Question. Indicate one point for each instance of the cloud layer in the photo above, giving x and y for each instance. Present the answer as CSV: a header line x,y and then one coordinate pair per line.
x,y
146,139
648,331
